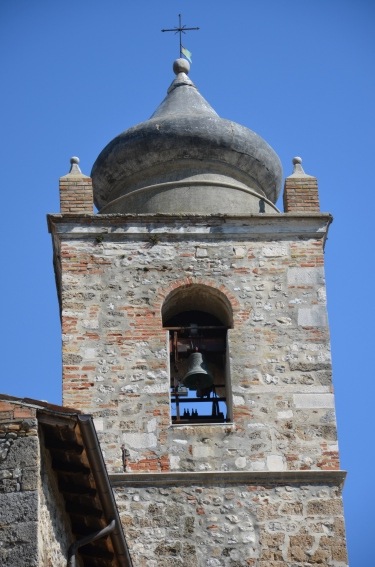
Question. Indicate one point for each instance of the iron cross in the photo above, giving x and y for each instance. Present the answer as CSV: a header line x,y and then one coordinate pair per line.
x,y
180,30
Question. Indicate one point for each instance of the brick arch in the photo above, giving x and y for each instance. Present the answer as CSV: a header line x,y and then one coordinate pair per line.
x,y
202,295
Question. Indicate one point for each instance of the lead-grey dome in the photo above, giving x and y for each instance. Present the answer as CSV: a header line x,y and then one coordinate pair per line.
x,y
186,159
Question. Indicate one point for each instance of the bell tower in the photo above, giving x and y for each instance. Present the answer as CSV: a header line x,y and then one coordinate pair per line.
x,y
195,331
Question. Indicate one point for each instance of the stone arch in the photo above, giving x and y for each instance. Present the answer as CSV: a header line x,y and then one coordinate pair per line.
x,y
200,297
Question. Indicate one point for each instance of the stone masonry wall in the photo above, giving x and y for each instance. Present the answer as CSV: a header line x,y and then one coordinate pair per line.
x,y
115,278
233,526
19,471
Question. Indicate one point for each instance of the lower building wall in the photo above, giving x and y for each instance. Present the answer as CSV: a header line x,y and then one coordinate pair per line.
x,y
34,528
19,470
233,525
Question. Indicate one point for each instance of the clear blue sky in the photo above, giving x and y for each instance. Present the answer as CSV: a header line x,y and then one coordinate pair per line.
x,y
75,73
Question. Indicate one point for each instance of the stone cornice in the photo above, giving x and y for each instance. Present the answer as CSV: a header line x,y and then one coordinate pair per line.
x,y
332,477
210,227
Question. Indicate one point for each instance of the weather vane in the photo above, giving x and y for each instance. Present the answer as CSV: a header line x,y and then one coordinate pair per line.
x,y
180,30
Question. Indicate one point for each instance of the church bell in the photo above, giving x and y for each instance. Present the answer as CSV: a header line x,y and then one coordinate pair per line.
x,y
197,375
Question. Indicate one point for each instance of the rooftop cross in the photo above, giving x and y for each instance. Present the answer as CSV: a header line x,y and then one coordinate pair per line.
x,y
180,30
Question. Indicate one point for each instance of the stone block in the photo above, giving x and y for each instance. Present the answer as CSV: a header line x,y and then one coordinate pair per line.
x,y
322,507
18,507
275,463
305,276
29,478
275,250
202,451
22,452
314,316
140,440
287,414
311,401
19,545
201,252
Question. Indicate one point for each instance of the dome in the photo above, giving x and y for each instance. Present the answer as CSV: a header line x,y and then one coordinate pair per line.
x,y
186,159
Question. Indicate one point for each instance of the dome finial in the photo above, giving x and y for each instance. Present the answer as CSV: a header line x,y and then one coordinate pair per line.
x,y
181,66
74,167
297,162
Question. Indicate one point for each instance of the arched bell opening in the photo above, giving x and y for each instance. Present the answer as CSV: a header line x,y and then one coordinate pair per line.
x,y
197,319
